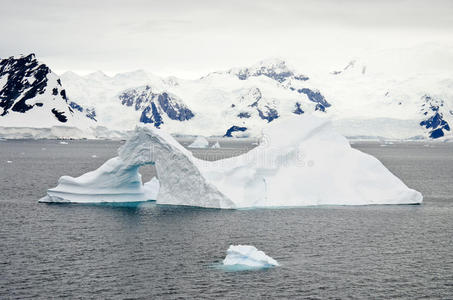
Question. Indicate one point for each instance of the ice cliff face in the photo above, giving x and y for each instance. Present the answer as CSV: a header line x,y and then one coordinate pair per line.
x,y
30,93
155,107
286,170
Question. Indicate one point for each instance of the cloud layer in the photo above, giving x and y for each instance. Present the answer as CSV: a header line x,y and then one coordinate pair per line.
x,y
188,38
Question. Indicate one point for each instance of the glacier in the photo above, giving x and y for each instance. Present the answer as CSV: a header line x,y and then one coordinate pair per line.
x,y
300,161
244,257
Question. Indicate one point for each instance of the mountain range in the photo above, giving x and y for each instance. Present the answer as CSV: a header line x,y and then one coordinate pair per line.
x,y
234,102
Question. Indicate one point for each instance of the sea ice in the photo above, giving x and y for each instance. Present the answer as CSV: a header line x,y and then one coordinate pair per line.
x,y
243,256
302,162
200,142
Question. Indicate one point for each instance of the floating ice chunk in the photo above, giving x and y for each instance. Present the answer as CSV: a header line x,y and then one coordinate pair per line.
x,y
94,156
200,142
9,162
64,143
312,165
216,145
245,257
151,189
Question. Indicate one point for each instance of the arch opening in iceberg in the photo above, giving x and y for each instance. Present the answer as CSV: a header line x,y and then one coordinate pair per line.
x,y
302,162
119,180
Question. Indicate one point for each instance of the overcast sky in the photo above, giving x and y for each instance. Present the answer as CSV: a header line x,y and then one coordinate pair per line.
x,y
189,38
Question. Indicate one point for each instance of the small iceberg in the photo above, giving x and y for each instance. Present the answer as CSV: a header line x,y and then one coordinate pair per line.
x,y
64,143
216,145
200,142
243,257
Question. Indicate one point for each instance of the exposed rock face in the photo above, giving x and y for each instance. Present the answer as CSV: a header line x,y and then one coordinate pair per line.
x,y
27,85
275,69
25,79
155,107
432,109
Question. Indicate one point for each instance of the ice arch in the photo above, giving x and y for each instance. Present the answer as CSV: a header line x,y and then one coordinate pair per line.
x,y
302,161
119,180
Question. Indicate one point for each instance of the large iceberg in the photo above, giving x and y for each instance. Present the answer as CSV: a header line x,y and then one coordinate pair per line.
x,y
247,257
301,161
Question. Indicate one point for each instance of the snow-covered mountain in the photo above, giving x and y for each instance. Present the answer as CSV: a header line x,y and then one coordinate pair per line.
x,y
238,101
31,95
155,108
368,104
241,101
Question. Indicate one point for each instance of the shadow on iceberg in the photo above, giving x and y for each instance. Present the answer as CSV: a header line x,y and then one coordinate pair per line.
x,y
301,161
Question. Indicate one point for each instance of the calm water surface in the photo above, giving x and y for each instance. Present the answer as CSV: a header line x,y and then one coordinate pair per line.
x,y
149,251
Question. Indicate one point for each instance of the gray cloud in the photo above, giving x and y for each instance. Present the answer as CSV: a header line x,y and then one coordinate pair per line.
x,y
192,37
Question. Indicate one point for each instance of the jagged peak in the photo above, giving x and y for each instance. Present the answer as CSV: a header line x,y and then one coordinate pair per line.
x,y
272,63
274,68
275,64
29,57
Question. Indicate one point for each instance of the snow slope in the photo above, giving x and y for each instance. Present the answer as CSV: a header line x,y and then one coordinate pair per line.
x,y
242,101
361,102
396,107
313,165
31,95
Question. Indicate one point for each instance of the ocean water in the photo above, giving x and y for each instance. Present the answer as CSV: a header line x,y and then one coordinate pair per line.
x,y
151,252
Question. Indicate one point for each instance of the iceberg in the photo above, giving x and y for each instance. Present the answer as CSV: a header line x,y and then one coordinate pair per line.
x,y
200,142
247,257
301,161
216,145
151,189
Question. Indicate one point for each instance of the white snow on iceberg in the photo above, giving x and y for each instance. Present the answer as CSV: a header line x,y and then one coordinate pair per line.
x,y
151,189
245,257
200,142
302,162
